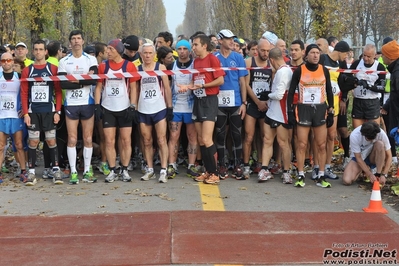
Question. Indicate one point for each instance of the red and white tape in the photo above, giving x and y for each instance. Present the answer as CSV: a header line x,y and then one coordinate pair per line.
x,y
75,77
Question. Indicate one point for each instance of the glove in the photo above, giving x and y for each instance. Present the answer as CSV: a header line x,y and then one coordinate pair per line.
x,y
330,120
132,115
291,118
264,95
169,114
363,83
347,82
98,112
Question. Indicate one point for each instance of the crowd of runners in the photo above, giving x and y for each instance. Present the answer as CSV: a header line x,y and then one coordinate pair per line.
x,y
272,109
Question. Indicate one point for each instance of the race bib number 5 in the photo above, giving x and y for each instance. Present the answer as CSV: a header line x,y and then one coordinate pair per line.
x,y
311,95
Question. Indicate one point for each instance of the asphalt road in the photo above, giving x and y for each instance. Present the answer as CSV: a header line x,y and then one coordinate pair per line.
x,y
181,193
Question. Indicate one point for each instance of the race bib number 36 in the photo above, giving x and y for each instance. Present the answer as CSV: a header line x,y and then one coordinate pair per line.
x,y
113,88
40,94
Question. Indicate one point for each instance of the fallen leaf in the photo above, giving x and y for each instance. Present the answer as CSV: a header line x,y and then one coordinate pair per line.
x,y
243,188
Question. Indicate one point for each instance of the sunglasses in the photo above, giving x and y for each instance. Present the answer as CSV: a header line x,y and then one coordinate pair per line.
x,y
7,60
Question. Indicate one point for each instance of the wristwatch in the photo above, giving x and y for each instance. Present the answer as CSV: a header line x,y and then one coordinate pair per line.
x,y
132,105
244,102
58,112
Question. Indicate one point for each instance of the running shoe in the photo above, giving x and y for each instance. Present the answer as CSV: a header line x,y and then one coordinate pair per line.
x,y
163,178
31,180
223,172
1,179
148,175
144,167
171,173
212,179
73,179
307,168
329,174
202,177
264,175
192,172
57,177
247,172
276,169
46,172
300,181
287,178
238,173
256,169
321,182
111,177
4,169
131,165
104,169
125,176
315,173
293,171
88,177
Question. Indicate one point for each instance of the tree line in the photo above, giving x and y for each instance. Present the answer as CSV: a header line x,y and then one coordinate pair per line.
x,y
28,20
362,21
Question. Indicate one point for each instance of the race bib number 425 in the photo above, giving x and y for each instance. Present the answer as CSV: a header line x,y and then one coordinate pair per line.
x,y
8,103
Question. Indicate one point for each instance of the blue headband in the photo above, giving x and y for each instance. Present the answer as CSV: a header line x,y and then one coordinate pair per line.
x,y
184,43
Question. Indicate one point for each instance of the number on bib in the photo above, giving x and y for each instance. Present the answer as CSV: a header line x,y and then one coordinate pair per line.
x,y
76,94
226,98
311,95
40,94
8,102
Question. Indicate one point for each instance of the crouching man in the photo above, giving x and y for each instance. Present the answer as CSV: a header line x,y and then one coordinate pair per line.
x,y
370,150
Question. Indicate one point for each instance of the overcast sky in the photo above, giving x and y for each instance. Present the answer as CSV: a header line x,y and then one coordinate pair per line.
x,y
174,13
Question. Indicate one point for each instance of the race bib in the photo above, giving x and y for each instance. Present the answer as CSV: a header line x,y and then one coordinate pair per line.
x,y
335,88
114,88
8,102
311,95
149,91
360,92
260,86
40,94
200,93
76,94
226,98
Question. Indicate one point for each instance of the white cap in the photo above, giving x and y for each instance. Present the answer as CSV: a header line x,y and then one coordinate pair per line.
x,y
225,34
21,44
271,37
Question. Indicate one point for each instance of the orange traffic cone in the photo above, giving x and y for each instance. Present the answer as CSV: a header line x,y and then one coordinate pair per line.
x,y
375,204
